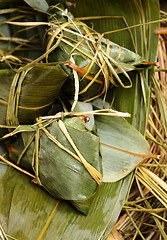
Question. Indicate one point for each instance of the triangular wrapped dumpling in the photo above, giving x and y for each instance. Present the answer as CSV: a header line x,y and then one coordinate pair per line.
x,y
97,60
24,99
59,172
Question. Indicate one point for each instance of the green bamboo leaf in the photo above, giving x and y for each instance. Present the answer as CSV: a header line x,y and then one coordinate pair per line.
x,y
39,4
116,18
119,22
123,147
5,31
3,166
33,97
49,218
15,40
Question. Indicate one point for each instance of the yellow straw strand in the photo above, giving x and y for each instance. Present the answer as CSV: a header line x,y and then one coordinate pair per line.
x,y
96,175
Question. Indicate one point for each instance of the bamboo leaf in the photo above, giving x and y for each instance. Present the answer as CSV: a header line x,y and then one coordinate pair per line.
x,y
39,4
3,166
33,97
49,218
139,39
123,147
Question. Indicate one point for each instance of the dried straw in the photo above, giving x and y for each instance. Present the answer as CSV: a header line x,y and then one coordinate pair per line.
x,y
146,210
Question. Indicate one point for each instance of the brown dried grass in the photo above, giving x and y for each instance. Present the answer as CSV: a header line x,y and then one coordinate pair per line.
x,y
144,215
